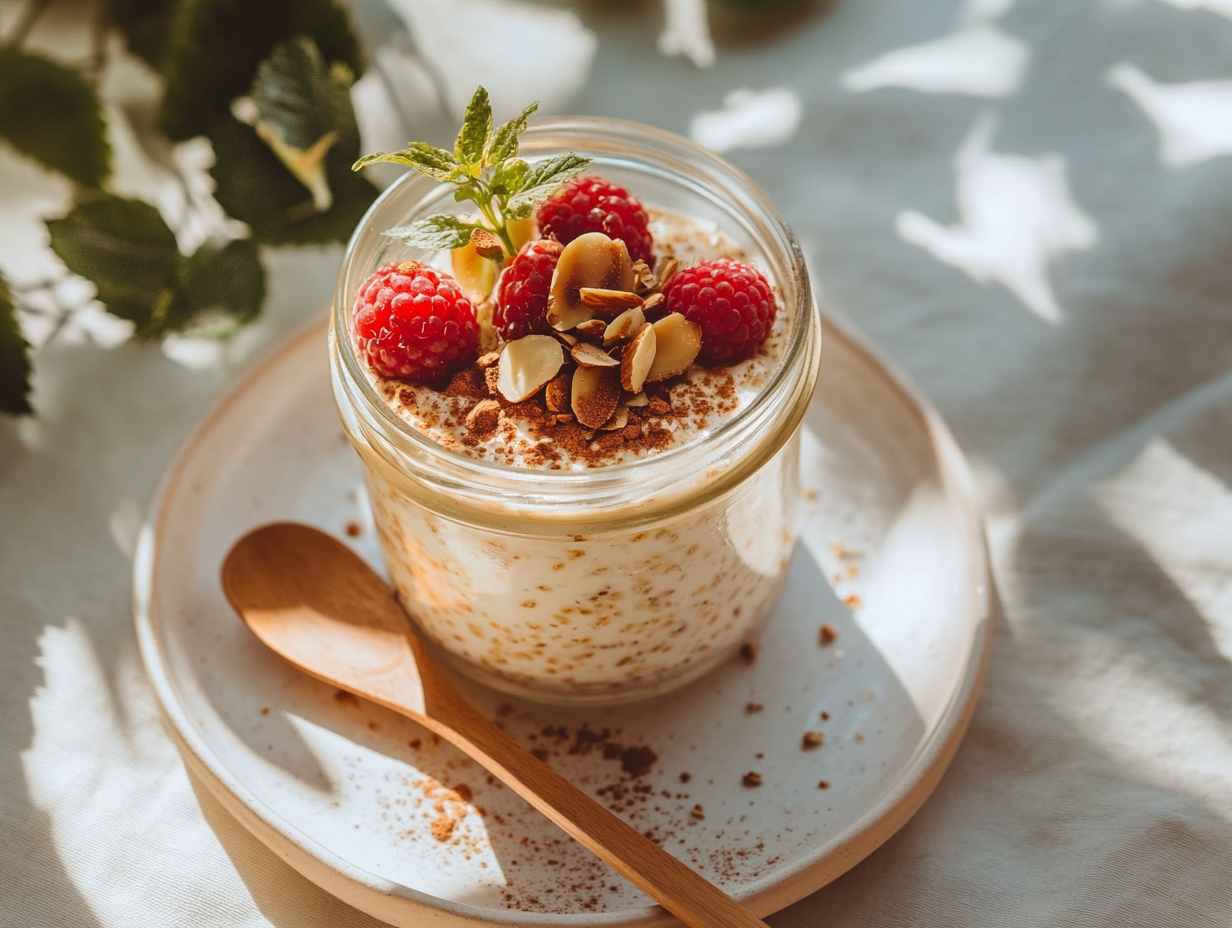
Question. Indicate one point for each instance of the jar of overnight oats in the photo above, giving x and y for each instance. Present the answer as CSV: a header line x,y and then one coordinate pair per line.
x,y
604,568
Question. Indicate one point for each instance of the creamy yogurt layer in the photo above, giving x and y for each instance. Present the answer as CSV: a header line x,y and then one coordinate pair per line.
x,y
466,418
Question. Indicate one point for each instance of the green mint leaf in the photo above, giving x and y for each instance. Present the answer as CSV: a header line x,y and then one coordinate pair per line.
x,y
505,139
14,359
303,110
221,289
216,45
510,177
541,181
476,129
146,25
126,250
435,233
49,112
424,158
253,186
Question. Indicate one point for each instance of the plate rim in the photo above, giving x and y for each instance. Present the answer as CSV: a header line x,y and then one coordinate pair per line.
x,y
387,900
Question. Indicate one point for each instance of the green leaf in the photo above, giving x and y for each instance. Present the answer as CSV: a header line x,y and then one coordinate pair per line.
x,y
216,45
14,359
253,186
126,250
542,180
476,128
303,110
146,25
436,233
505,139
510,177
424,158
50,113
222,289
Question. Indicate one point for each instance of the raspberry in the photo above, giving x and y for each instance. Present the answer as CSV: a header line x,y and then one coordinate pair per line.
x,y
413,322
522,294
592,204
733,304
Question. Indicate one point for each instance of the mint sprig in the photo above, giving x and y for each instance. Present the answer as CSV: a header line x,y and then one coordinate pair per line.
x,y
485,167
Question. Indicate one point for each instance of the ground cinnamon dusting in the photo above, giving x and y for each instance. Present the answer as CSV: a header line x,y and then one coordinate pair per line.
x,y
539,871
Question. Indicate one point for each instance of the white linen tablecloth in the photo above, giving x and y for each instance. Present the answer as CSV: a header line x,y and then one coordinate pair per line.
x,y
1026,206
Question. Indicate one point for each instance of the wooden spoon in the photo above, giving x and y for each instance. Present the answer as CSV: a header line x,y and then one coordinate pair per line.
x,y
314,601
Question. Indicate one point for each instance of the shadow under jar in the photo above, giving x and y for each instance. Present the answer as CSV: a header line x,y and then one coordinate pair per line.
x,y
601,584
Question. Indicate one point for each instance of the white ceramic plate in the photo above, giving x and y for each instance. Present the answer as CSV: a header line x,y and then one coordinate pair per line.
x,y
363,803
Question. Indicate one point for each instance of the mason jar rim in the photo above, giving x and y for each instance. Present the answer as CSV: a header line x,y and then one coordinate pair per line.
x,y
676,159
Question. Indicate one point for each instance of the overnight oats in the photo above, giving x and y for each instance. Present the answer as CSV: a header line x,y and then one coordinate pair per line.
x,y
577,402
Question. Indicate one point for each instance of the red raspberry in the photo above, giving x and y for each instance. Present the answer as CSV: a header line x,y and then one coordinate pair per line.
x,y
413,322
522,294
592,204
733,304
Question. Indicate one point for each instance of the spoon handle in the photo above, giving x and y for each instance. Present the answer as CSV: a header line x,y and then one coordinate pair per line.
x,y
691,898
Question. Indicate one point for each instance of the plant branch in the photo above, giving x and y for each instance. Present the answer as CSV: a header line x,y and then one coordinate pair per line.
x,y
25,22
497,225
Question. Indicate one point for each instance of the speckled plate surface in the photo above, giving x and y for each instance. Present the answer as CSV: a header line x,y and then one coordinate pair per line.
x,y
367,805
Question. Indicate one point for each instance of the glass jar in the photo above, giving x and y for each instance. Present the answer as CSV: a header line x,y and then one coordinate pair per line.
x,y
613,583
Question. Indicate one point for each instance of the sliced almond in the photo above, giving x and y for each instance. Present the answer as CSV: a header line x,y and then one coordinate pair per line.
x,y
677,343
589,355
557,393
637,401
565,338
643,276
592,328
594,261
608,303
527,364
623,326
620,418
653,302
595,395
639,358
487,360
563,317
665,270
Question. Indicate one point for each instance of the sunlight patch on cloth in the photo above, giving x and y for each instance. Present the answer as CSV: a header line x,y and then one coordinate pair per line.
x,y
1218,7
500,44
125,526
1192,119
982,11
749,119
1016,214
686,31
1181,515
980,61
121,809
